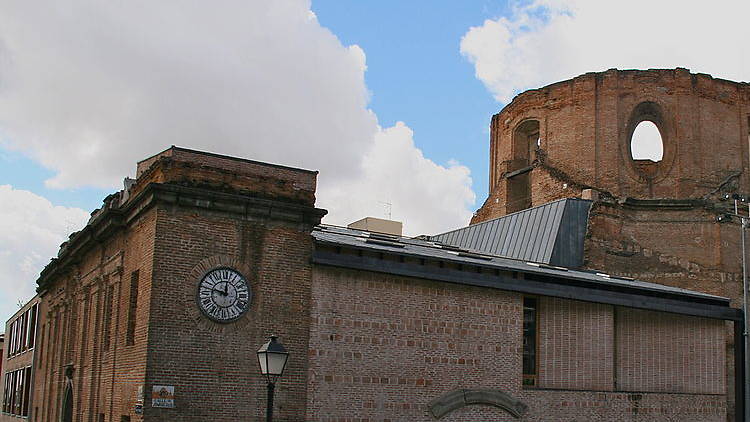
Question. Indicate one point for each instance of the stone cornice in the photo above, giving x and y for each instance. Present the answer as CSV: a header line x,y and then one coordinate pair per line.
x,y
111,220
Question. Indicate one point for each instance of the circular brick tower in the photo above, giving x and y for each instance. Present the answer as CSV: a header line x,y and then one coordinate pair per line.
x,y
653,220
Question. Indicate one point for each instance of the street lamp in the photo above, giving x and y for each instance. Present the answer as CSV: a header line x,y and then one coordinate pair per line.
x,y
272,358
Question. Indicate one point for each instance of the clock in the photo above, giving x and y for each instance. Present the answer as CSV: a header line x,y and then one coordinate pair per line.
x,y
224,294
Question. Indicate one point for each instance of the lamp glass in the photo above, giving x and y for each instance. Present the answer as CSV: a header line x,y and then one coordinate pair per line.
x,y
272,358
276,363
263,363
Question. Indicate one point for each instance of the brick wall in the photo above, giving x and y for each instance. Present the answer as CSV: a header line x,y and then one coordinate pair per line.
x,y
576,345
86,326
585,126
229,174
121,307
25,354
669,353
382,347
214,366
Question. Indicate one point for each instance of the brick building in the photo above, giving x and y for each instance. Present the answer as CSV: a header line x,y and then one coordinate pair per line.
x,y
19,360
651,220
179,278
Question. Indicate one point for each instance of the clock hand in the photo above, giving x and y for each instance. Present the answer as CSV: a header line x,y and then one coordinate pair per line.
x,y
220,292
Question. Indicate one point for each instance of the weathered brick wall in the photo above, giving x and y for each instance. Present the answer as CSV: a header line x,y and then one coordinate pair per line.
x,y
230,174
213,366
382,347
586,122
121,305
85,325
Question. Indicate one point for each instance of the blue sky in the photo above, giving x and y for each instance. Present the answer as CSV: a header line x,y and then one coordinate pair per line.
x,y
417,74
389,100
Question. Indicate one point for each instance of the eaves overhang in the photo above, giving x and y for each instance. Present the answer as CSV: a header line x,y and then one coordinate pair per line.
x,y
410,259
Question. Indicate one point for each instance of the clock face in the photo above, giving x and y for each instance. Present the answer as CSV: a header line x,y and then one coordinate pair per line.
x,y
223,294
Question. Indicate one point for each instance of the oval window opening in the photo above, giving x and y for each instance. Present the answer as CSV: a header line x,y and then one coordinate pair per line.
x,y
646,144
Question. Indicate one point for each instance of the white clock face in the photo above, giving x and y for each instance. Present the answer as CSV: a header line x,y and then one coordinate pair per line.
x,y
223,294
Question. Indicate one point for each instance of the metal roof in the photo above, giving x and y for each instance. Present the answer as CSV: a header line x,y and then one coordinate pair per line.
x,y
552,233
420,248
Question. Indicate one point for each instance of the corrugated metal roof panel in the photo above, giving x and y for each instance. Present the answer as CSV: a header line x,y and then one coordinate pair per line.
x,y
538,234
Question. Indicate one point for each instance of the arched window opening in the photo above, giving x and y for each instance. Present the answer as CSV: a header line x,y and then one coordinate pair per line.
x,y
646,143
525,143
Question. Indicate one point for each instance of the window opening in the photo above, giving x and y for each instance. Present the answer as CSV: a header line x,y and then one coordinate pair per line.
x,y
31,338
525,142
530,334
533,141
67,407
26,391
130,335
107,315
646,142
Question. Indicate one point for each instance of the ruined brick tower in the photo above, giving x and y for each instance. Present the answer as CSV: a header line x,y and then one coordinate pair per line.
x,y
652,221
657,219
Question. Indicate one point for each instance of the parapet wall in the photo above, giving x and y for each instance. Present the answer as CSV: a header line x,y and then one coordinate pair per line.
x,y
225,173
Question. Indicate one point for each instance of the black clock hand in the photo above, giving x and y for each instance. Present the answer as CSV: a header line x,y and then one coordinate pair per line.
x,y
220,292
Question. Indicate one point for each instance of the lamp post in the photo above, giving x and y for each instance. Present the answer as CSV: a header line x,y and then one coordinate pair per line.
x,y
272,358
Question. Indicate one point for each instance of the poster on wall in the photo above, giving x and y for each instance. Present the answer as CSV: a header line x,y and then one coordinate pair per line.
x,y
162,396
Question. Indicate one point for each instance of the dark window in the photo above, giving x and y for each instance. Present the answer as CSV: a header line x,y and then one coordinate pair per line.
x,y
6,393
529,341
26,391
32,327
130,334
101,417
107,315
124,418
13,338
16,400
67,407
23,327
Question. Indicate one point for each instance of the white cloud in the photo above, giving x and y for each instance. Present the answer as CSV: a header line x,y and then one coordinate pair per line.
x,y
88,87
550,40
31,230
424,195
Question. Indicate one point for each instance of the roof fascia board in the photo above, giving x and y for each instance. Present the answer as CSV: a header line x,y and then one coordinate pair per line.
x,y
536,287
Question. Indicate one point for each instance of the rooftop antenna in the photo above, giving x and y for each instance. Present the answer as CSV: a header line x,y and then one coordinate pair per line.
x,y
388,208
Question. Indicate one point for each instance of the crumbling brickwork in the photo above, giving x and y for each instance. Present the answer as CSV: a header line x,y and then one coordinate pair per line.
x,y
651,221
584,128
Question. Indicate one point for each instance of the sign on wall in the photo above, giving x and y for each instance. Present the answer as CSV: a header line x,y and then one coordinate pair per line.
x,y
162,396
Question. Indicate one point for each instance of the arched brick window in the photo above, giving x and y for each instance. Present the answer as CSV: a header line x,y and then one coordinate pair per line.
x,y
525,143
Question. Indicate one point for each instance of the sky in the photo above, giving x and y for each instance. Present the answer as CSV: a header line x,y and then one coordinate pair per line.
x,y
389,100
